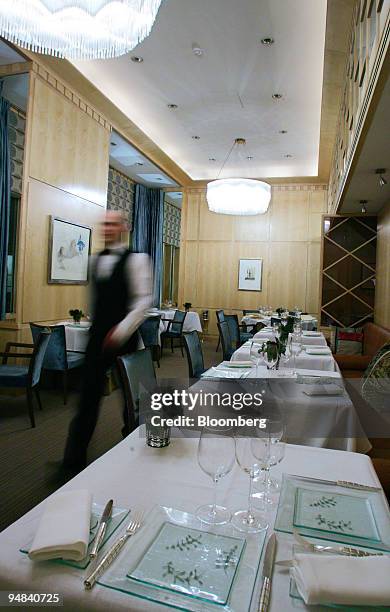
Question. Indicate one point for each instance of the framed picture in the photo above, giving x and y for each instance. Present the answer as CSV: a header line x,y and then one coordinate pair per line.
x,y
250,273
69,249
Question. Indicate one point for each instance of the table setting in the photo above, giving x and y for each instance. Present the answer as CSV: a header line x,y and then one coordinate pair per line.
x,y
160,550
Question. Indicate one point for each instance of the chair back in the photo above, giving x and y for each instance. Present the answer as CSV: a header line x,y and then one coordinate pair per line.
x,y
55,356
178,321
249,312
149,331
226,341
220,316
37,359
275,320
136,372
194,352
234,329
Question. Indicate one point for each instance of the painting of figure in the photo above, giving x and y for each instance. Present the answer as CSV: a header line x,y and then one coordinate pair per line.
x,y
250,274
69,247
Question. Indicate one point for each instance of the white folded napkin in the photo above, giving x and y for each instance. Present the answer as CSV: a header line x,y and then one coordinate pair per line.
x,y
221,373
239,364
321,389
63,531
337,579
317,350
307,318
311,333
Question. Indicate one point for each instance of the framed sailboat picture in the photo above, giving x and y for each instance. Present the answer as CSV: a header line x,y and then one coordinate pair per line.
x,y
69,249
250,272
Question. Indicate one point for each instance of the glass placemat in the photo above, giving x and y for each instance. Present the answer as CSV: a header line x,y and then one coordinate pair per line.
x,y
335,513
292,515
168,527
117,518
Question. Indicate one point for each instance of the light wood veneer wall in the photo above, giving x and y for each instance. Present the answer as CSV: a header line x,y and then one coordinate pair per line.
x,y
287,238
382,293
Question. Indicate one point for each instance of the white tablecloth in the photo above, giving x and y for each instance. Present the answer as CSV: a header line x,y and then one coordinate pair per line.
x,y
191,322
308,324
137,476
303,360
76,336
307,340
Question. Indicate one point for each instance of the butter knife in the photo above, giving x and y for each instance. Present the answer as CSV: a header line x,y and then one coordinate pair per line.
x,y
102,528
269,559
341,483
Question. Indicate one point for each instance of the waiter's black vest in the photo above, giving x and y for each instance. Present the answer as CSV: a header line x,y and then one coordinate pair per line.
x,y
112,299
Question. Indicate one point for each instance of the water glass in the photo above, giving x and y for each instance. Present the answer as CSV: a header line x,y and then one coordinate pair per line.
x,y
296,348
269,450
157,436
216,457
270,354
256,355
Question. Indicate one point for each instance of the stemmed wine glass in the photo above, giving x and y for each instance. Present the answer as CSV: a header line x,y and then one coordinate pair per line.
x,y
276,328
295,347
216,457
256,355
270,354
269,450
250,520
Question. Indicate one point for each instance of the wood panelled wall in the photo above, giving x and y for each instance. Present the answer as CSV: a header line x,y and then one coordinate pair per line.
x,y
65,175
382,296
287,238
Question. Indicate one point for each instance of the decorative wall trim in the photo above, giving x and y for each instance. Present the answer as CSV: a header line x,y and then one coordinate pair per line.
x,y
281,187
65,91
120,194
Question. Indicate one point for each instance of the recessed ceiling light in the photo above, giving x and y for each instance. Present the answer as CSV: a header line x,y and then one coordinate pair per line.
x,y
282,131
195,137
363,204
250,157
139,163
137,59
212,159
172,106
113,144
288,155
277,96
267,41
197,50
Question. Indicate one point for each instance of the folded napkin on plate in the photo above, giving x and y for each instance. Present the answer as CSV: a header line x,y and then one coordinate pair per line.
x,y
239,364
337,579
307,318
317,350
321,389
314,334
63,531
221,373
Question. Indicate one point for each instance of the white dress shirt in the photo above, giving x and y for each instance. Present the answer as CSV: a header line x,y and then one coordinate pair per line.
x,y
140,279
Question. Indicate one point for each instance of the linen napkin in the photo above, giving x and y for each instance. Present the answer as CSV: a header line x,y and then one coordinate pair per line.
x,y
337,579
321,389
63,531
317,350
313,334
239,364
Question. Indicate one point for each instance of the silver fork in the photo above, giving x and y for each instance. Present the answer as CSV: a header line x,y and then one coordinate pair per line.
x,y
341,550
134,525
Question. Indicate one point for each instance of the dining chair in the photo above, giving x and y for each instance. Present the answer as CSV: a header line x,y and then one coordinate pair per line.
x,y
174,330
275,321
57,358
226,340
25,376
220,318
150,334
193,347
245,313
136,372
238,333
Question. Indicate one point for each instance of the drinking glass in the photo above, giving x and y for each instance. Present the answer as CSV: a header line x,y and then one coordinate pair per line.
x,y
270,354
250,520
297,327
268,448
286,356
276,329
256,355
216,457
295,347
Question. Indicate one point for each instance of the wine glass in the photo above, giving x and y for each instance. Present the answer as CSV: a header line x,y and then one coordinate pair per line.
x,y
296,348
216,457
269,450
270,354
256,355
250,520
276,329
286,356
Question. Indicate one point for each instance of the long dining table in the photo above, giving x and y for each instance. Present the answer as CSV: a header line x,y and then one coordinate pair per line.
x,y
136,476
324,360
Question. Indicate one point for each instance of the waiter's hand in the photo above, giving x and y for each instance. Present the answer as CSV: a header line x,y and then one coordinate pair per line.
x,y
110,345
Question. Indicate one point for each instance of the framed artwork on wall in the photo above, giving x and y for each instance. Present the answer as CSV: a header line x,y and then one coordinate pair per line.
x,y
69,249
250,273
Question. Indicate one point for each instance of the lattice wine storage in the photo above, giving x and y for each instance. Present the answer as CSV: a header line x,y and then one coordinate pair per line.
x,y
348,270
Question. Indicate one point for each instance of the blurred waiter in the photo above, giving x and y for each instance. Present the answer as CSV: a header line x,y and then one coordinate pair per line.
x,y
121,292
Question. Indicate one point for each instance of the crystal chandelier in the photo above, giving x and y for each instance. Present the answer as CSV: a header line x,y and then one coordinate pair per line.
x,y
77,29
238,196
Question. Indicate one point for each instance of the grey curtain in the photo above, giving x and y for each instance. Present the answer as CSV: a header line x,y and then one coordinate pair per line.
x,y
5,197
148,231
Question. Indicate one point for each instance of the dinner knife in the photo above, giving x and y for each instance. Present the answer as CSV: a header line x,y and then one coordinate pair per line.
x,y
341,483
269,560
101,532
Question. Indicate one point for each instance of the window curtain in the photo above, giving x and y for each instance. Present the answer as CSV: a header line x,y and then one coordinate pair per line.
x,y
5,198
148,231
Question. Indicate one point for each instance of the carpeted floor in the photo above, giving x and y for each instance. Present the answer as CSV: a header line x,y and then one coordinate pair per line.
x,y
26,453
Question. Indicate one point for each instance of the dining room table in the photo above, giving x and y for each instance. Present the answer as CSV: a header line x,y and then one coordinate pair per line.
x,y
311,338
138,477
76,335
308,322
309,358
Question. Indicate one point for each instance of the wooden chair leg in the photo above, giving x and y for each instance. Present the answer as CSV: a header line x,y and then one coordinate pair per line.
x,y
65,386
30,406
36,390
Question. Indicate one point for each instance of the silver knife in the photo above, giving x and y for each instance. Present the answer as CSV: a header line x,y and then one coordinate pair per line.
x,y
269,560
101,532
341,483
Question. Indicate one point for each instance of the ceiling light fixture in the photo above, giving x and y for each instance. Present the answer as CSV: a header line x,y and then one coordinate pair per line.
x,y
277,96
137,59
282,131
267,41
288,156
197,50
363,204
78,29
195,137
238,196
381,172
172,106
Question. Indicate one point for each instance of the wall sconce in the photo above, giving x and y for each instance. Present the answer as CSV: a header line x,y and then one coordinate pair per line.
x,y
363,203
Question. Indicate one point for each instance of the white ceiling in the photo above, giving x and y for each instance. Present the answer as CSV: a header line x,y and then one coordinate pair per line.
x,y
227,93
